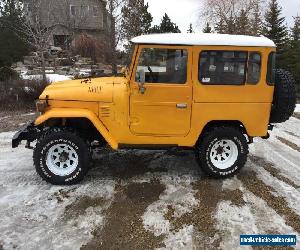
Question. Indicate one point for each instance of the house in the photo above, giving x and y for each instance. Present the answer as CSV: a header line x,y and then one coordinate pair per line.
x,y
67,19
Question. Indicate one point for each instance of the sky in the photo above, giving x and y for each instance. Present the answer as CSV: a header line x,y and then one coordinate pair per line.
x,y
184,12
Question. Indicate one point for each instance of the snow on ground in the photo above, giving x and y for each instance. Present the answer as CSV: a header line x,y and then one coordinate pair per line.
x,y
51,77
36,215
33,214
55,77
297,108
256,217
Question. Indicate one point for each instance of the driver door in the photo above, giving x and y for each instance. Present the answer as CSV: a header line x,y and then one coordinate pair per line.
x,y
164,109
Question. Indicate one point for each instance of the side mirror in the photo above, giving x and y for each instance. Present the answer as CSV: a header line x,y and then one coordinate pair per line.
x,y
141,81
125,71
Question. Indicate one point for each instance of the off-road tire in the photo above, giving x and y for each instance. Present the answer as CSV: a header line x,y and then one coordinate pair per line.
x,y
55,136
285,97
206,144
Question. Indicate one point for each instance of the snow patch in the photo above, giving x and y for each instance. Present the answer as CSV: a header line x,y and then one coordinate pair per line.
x,y
183,239
180,198
280,155
234,221
289,193
266,219
32,216
51,77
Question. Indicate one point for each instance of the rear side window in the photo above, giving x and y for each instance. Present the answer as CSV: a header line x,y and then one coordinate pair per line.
x,y
271,69
223,67
254,68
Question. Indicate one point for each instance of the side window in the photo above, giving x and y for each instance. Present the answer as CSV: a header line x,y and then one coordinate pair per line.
x,y
254,68
223,67
163,65
271,69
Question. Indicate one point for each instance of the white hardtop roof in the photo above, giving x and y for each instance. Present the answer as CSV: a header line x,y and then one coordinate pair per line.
x,y
204,39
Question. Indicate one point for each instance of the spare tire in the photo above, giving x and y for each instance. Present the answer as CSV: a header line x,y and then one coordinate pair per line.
x,y
285,97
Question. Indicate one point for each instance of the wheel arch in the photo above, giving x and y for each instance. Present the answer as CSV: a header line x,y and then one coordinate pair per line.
x,y
65,115
217,123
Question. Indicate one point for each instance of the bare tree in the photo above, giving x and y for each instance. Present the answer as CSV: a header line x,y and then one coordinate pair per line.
x,y
35,31
114,31
225,11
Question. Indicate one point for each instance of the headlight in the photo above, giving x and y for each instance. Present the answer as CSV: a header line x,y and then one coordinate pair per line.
x,y
41,106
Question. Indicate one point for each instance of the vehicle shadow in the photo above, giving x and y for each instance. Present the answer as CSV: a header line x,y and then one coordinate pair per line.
x,y
127,164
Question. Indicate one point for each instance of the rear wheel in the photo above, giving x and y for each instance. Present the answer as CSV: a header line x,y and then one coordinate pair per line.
x,y
222,151
61,157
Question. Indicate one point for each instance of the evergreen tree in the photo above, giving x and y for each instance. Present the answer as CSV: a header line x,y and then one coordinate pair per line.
x,y
293,55
190,30
230,27
136,19
296,29
12,47
207,29
220,27
242,24
146,18
290,57
155,29
166,26
274,25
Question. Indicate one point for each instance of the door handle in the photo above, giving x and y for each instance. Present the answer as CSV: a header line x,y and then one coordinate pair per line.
x,y
181,105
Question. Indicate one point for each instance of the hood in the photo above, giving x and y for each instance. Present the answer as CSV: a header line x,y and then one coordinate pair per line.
x,y
96,89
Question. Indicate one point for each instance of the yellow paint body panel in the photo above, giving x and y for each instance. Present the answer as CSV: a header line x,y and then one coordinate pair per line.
x,y
125,116
74,113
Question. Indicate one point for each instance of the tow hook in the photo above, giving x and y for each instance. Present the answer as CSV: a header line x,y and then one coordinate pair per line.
x,y
270,127
266,137
250,139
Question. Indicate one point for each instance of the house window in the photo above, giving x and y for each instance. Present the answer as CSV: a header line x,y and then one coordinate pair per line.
x,y
73,10
84,10
63,41
96,11
223,67
79,10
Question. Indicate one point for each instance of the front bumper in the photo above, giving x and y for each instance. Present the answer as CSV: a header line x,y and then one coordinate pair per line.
x,y
27,133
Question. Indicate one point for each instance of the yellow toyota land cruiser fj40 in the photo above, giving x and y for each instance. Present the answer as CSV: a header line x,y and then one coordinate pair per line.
x,y
208,92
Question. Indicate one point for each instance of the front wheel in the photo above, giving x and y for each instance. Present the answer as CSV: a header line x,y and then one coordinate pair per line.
x,y
61,157
222,151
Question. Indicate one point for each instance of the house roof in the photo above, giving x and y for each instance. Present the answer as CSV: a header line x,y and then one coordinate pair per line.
x,y
204,39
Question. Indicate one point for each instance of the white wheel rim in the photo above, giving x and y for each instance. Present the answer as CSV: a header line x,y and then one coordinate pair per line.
x,y
224,154
62,159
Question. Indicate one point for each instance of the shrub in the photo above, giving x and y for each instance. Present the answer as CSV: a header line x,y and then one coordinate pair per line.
x,y
19,93
88,46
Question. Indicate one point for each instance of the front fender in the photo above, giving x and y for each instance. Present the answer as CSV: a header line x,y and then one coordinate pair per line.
x,y
78,113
